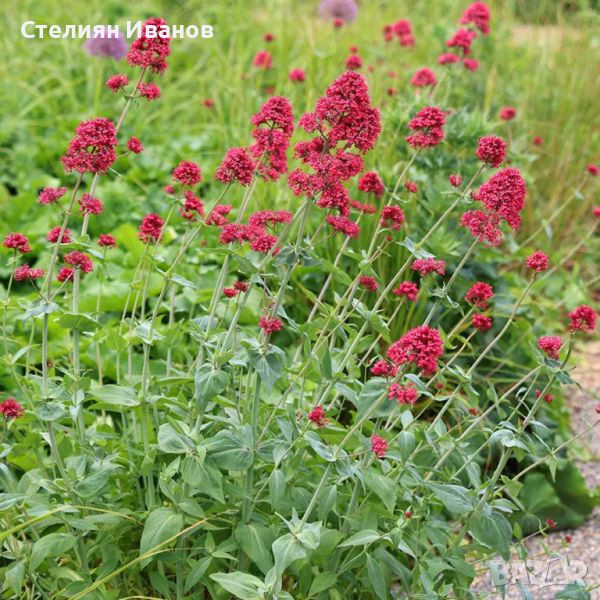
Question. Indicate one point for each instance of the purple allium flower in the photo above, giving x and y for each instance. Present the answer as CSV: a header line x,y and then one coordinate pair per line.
x,y
338,9
107,45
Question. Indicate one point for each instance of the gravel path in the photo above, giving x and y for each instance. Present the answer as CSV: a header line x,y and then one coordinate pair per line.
x,y
583,553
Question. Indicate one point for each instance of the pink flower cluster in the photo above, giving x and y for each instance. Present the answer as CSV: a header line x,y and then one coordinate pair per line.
x,y
401,29
150,52
428,125
421,346
92,150
425,266
550,345
479,295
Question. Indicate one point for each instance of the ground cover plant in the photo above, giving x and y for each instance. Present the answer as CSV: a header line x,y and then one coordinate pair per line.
x,y
318,356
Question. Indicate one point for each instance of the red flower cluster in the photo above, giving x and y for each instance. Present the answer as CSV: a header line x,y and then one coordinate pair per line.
x,y
187,173
17,242
134,145
363,208
538,261
583,318
402,29
491,150
411,186
455,180
54,234
117,82
550,345
317,416
79,260
370,183
218,215
462,39
479,295
422,346
192,206
408,289
270,324
92,150
448,58
263,60
378,446
151,228
470,64
236,166
403,394
478,14
549,398
503,198
424,77
370,283
382,368
11,409
481,322
344,225
353,62
392,216
428,127
90,205
26,273
106,240
429,265
150,52
593,170
508,113
297,76
344,120
50,194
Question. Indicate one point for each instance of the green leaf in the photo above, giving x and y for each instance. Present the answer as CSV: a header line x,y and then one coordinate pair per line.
x,y
406,443
51,545
115,395
211,482
50,411
455,498
277,489
377,578
78,321
255,541
493,531
574,591
268,365
241,585
161,524
172,442
323,581
286,550
209,382
231,450
362,538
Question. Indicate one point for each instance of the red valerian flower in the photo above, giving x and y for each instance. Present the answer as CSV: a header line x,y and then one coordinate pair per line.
x,y
550,345
26,273
263,60
241,286
270,324
230,292
17,242
150,52
317,416
411,187
382,368
598,408
462,39
568,539
65,274
549,398
402,29
428,127
470,64
117,82
79,260
106,240
391,91
50,194
429,265
448,58
192,206
134,145
473,411
297,76
151,228
371,183
593,169
150,91
218,215
368,209
378,446
236,166
263,243
187,173
265,217
508,113
479,295
551,523
491,150
392,216
538,261
54,234
268,37
403,394
11,409
408,289
481,322
583,318
478,14
92,150
596,211
353,62
344,225
90,205
208,102
422,346
483,227
455,180
369,283
338,23
424,77
537,140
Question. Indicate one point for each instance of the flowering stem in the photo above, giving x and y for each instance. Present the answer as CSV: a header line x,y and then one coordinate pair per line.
x,y
250,471
363,360
315,496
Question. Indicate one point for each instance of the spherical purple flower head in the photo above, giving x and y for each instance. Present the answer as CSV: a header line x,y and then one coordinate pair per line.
x,y
338,9
107,44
